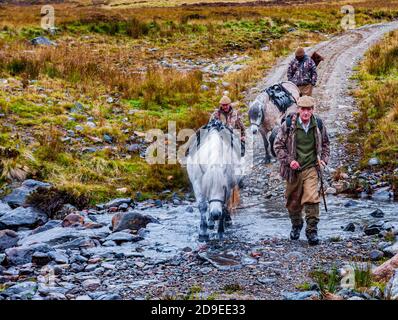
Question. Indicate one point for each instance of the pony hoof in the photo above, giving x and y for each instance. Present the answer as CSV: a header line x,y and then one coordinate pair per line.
x,y
267,160
220,236
210,226
228,224
203,237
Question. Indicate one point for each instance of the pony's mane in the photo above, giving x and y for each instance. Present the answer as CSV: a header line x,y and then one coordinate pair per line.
x,y
224,131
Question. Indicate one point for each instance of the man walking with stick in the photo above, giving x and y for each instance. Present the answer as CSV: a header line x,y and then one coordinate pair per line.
x,y
302,148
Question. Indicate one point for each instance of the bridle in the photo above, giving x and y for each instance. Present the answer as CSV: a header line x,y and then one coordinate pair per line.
x,y
220,200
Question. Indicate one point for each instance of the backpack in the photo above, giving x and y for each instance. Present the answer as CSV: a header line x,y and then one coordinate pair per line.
x,y
280,97
317,58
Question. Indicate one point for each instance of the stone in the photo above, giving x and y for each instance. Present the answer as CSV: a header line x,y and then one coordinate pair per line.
x,y
382,194
372,229
24,289
350,203
131,220
21,217
377,213
305,295
206,270
58,237
107,138
4,208
391,290
59,257
189,209
42,41
49,225
109,296
73,219
91,284
264,280
373,162
2,258
349,227
41,258
295,255
23,254
120,237
109,243
65,211
117,202
8,239
391,250
84,297
376,255
18,196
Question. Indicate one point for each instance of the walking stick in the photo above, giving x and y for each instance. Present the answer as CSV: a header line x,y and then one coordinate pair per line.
x,y
322,188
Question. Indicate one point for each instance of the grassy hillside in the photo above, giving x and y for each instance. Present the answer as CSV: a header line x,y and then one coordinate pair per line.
x,y
74,114
377,118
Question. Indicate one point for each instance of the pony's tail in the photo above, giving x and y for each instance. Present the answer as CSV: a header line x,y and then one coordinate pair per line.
x,y
234,200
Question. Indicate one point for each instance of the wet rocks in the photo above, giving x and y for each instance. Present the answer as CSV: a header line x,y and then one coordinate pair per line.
x,y
305,295
392,287
131,220
18,196
373,229
120,237
8,239
91,284
350,203
349,227
117,202
391,250
21,217
376,255
41,258
377,213
73,219
23,254
23,290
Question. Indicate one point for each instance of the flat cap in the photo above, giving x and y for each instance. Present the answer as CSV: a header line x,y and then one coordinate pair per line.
x,y
306,102
225,100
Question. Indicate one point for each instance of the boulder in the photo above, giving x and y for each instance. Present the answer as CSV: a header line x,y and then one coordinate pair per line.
x,y
131,220
64,211
117,202
376,255
386,270
18,196
73,219
4,208
373,229
377,213
8,239
391,250
349,227
58,237
22,255
22,217
91,284
49,225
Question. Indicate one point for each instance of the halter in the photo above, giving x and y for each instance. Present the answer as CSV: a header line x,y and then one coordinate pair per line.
x,y
219,200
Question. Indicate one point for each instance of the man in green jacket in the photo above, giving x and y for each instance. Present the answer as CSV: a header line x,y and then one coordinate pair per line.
x,y
302,148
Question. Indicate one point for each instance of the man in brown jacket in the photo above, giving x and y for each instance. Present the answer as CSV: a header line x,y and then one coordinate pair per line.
x,y
302,148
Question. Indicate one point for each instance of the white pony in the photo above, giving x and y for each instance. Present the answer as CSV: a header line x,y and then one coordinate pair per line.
x,y
214,169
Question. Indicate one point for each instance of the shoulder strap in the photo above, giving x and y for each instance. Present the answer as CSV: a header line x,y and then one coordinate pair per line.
x,y
319,123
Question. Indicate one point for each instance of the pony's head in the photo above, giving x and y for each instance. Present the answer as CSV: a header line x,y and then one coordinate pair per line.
x,y
256,116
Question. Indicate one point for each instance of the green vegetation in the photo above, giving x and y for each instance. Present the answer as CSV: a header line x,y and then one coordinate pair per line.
x,y
377,119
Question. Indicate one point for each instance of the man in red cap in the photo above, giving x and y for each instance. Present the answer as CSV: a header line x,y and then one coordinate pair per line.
x,y
302,72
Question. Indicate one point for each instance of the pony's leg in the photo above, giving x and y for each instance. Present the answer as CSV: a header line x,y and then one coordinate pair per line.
x,y
203,234
221,227
227,218
266,145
